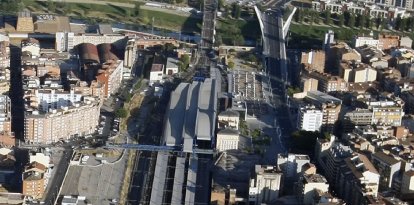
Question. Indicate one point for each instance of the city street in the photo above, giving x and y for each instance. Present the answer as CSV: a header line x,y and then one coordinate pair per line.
x,y
59,174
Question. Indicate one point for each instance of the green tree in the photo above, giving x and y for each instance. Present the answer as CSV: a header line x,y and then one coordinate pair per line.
x,y
351,21
236,11
361,21
181,66
305,140
230,64
384,23
347,17
185,59
252,58
411,24
218,40
408,24
341,19
316,19
169,47
293,90
312,17
137,9
298,15
238,40
121,113
286,12
328,19
256,133
220,4
370,23
51,6
179,1
128,97
404,23
67,8
398,23
260,6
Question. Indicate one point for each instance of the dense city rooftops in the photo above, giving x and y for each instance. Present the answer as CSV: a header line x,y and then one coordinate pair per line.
x,y
314,178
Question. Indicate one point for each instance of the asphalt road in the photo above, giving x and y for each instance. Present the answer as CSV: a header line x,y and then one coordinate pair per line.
x,y
276,62
56,182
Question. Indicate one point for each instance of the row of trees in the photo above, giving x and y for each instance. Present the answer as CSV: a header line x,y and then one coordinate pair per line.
x,y
67,8
11,6
345,19
353,20
404,24
230,34
234,10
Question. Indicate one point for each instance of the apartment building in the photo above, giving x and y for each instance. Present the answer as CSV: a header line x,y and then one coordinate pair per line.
x,y
309,118
328,40
405,41
408,98
67,41
388,167
229,118
48,127
146,42
359,41
370,54
130,56
4,54
309,185
308,84
329,105
357,73
6,135
330,160
325,82
266,185
110,75
387,112
376,9
333,7
313,60
386,42
227,139
34,180
358,180
156,73
47,98
340,52
360,116
36,175
172,66
31,46
291,164
407,182
25,22
7,166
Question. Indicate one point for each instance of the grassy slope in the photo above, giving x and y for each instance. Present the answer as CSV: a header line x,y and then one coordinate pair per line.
x,y
111,13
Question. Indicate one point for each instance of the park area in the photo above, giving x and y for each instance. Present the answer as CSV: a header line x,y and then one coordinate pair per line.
x,y
134,13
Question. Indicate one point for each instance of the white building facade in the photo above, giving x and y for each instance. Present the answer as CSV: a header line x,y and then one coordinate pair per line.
x,y
265,186
227,139
310,119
